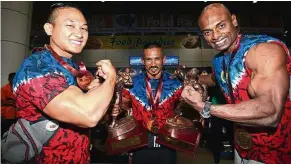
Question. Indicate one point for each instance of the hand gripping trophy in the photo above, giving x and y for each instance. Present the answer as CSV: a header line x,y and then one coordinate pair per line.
x,y
126,133
179,132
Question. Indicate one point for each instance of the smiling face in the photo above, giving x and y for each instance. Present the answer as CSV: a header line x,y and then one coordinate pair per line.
x,y
68,32
153,60
218,27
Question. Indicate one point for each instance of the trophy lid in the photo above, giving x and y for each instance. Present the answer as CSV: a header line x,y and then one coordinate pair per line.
x,y
122,126
179,122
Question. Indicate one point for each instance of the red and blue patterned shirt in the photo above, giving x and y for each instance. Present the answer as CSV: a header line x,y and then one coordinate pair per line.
x,y
170,94
271,145
41,78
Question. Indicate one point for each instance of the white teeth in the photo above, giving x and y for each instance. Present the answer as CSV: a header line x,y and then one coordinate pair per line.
x,y
220,42
75,42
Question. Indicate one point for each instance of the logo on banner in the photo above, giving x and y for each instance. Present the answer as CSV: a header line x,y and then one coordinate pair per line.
x,y
124,21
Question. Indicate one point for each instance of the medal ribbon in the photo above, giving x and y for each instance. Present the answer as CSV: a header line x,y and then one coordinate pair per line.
x,y
227,69
66,65
154,102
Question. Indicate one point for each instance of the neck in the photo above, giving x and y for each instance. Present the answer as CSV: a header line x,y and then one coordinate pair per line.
x,y
59,51
157,76
233,45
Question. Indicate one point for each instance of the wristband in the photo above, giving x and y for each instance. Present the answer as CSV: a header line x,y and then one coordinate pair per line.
x,y
205,113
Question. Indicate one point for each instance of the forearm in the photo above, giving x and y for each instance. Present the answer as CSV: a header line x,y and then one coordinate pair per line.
x,y
98,99
255,112
82,109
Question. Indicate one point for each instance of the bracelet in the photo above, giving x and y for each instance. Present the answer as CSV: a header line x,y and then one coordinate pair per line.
x,y
205,113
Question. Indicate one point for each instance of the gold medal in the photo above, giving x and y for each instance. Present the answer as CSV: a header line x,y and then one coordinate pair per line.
x,y
243,139
224,76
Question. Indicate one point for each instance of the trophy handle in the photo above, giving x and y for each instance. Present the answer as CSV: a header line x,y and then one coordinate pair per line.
x,y
178,111
199,123
116,103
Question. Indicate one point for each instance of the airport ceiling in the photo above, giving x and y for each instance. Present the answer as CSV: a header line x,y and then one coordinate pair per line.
x,y
166,7
264,10
282,8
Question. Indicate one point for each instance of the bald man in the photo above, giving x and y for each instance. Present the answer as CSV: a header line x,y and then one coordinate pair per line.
x,y
253,72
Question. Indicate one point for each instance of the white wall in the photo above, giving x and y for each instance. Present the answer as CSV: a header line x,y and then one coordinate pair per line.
x,y
15,33
120,57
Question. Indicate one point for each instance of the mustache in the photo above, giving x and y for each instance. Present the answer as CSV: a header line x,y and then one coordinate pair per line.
x,y
154,67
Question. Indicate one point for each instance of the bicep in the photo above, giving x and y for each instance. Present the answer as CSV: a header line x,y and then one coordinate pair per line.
x,y
63,108
275,85
40,91
52,95
271,77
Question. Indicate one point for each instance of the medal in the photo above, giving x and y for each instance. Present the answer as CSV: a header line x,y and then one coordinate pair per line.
x,y
243,139
154,100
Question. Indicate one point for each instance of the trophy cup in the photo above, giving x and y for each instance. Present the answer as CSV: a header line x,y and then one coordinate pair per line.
x,y
181,133
124,134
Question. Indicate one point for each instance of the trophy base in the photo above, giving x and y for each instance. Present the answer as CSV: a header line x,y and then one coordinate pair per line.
x,y
134,139
184,142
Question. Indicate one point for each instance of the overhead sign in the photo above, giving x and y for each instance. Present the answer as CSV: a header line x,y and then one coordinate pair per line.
x,y
138,42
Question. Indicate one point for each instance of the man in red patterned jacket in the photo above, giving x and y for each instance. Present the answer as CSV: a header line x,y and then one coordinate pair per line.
x,y
253,72
46,86
153,98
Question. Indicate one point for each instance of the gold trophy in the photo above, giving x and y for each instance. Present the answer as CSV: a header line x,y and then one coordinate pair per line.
x,y
181,133
124,134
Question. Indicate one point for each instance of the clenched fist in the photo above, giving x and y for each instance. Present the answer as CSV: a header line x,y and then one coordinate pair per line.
x,y
105,69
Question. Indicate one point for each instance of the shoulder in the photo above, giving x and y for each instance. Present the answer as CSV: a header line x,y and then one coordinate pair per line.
x,y
270,53
36,65
167,77
38,58
138,77
37,61
263,46
268,49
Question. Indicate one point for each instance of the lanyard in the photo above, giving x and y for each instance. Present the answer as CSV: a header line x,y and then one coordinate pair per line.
x,y
226,69
65,64
154,102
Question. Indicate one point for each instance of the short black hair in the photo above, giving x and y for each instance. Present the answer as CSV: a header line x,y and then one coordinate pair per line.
x,y
54,7
150,45
11,76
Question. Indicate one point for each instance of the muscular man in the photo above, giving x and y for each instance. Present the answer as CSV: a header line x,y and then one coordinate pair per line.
x,y
253,73
45,85
152,98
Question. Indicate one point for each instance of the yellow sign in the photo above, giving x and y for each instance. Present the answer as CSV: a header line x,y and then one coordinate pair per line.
x,y
137,42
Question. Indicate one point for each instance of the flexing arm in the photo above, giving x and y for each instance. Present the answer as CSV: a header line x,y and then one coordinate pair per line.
x,y
268,89
84,109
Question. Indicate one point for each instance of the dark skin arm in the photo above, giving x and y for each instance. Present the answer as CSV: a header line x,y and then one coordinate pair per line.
x,y
268,90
